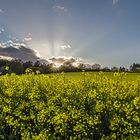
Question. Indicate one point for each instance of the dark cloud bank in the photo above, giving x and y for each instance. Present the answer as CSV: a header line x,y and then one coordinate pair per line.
x,y
23,53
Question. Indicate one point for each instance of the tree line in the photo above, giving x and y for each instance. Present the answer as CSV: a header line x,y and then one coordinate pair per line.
x,y
19,67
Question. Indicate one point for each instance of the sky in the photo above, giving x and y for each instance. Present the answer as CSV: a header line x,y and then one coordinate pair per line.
x,y
106,32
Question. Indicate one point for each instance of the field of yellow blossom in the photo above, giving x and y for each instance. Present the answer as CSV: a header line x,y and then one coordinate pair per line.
x,y
53,107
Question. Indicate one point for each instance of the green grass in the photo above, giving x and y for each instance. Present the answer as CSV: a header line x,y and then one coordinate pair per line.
x,y
93,75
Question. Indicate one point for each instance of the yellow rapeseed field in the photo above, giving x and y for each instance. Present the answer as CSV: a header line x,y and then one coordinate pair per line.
x,y
51,107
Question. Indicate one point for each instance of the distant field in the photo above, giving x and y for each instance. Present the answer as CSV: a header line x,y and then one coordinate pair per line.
x,y
94,75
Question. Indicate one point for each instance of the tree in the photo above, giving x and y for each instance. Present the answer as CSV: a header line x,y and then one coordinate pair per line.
x,y
81,67
96,67
135,67
26,65
106,69
37,64
114,69
16,66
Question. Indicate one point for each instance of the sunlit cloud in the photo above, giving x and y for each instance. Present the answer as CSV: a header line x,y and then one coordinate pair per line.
x,y
59,8
37,53
9,41
6,57
18,45
65,47
27,39
60,60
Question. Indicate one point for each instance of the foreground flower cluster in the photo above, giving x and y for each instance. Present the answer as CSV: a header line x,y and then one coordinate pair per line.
x,y
45,107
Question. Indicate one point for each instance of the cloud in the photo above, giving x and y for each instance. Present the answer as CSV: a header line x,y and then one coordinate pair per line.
x,y
27,39
7,58
17,50
59,8
1,30
1,11
115,2
65,47
13,47
13,38
9,41
18,45
63,60
37,53
23,53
